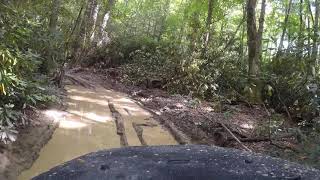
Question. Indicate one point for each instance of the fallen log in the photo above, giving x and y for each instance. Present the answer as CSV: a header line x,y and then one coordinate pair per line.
x,y
119,123
139,131
230,132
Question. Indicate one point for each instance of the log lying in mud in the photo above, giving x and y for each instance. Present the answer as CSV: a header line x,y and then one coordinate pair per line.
x,y
179,163
178,135
139,131
120,124
80,81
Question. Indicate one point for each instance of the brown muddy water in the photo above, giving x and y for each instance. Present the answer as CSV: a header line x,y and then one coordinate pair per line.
x,y
88,126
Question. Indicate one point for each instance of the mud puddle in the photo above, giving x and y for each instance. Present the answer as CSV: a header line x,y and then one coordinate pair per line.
x,y
88,125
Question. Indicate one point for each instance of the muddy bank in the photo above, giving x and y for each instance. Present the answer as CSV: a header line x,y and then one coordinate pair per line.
x,y
209,123
199,121
18,156
222,124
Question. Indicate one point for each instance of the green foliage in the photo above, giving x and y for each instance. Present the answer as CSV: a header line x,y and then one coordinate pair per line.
x,y
21,41
292,87
180,74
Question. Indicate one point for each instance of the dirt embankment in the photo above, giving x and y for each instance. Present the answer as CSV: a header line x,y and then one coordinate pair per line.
x,y
18,156
201,122
237,125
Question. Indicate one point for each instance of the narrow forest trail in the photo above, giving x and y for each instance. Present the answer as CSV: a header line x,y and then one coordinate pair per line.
x,y
96,119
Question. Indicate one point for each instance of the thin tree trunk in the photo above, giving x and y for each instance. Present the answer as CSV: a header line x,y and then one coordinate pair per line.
x,y
148,29
154,35
94,18
315,37
231,40
87,22
284,29
301,31
261,28
242,51
102,36
50,64
54,15
310,11
85,30
195,25
163,19
76,46
208,24
309,37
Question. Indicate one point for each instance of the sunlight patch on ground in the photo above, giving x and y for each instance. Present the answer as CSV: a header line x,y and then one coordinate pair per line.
x,y
71,104
60,116
55,114
98,118
91,116
91,100
247,126
67,124
80,92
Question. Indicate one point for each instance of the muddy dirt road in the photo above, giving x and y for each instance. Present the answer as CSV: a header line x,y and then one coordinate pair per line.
x,y
96,119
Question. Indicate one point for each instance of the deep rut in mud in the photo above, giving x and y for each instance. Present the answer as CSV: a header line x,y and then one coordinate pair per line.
x,y
97,119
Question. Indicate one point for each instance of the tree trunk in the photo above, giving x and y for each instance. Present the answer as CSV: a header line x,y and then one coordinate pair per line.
x,y
163,19
309,37
94,18
50,64
86,27
252,37
87,22
254,48
242,44
54,16
310,11
284,29
208,25
101,37
315,38
261,28
301,31
193,37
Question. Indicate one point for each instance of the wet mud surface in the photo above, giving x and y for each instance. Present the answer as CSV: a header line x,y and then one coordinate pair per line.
x,y
97,119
